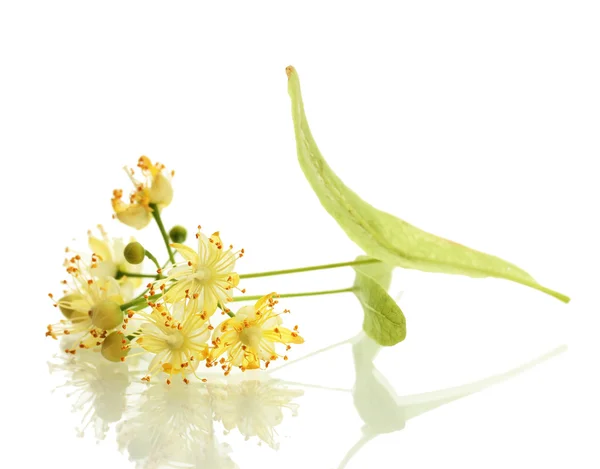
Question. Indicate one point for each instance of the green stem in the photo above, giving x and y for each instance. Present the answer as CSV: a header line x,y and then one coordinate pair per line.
x,y
139,302
308,269
227,310
133,335
163,232
132,274
153,259
295,295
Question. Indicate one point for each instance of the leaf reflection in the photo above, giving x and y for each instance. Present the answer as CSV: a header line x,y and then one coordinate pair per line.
x,y
383,411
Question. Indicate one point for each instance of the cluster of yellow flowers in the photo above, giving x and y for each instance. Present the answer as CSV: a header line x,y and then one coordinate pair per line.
x,y
174,317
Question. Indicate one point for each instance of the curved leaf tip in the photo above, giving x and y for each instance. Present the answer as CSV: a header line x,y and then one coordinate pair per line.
x,y
382,235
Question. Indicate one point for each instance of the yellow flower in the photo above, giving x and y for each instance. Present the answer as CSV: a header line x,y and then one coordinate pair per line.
x,y
90,306
250,337
177,338
156,189
207,273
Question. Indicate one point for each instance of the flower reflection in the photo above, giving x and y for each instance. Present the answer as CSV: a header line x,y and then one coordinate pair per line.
x,y
255,408
161,426
172,424
97,386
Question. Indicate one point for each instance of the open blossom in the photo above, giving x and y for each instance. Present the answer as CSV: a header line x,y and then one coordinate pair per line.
x,y
156,190
206,273
178,338
251,335
90,305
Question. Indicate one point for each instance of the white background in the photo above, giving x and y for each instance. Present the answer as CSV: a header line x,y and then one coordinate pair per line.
x,y
477,121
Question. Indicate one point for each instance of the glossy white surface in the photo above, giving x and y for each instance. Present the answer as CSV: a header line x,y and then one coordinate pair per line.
x,y
476,122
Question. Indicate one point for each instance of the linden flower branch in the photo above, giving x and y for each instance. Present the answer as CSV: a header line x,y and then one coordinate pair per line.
x,y
171,317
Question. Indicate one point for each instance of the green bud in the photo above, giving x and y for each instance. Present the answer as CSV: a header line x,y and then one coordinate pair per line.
x,y
115,347
178,234
67,305
134,253
107,315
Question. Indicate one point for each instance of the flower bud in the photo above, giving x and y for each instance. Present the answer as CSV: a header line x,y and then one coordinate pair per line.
x,y
178,234
107,315
68,305
134,253
115,347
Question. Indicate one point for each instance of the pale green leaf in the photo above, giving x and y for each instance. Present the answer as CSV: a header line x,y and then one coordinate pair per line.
x,y
384,321
383,236
378,271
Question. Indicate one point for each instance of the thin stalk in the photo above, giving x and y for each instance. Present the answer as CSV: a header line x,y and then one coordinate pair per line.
x,y
295,295
153,259
136,275
308,269
163,232
227,310
139,302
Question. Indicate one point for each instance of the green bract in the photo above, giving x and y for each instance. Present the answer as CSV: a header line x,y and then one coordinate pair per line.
x,y
383,236
384,321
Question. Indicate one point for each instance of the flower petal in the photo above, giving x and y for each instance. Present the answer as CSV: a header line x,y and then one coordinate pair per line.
x,y
186,252
283,335
136,216
100,248
152,343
